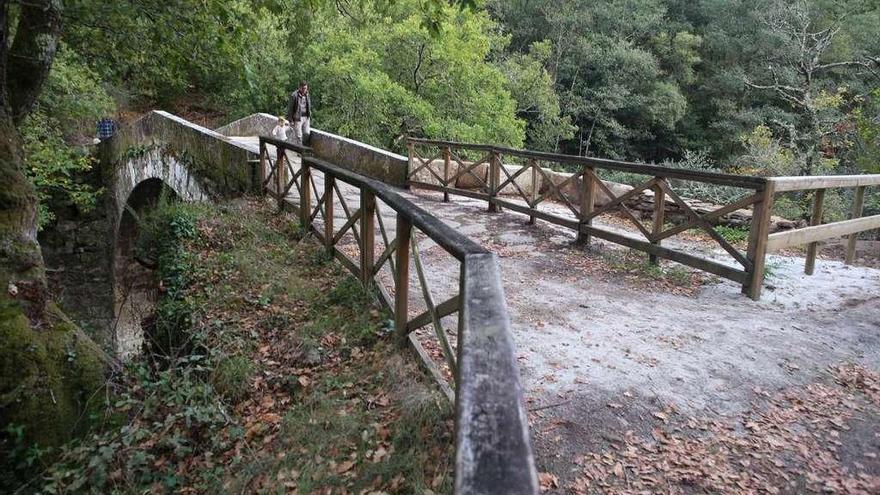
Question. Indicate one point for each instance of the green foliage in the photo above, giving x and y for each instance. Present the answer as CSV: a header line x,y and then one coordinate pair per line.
x,y
537,101
163,234
379,75
617,66
230,377
173,412
765,155
56,168
734,235
74,97
267,59
54,135
866,134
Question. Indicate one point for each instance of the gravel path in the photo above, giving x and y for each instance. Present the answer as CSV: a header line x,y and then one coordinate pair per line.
x,y
600,351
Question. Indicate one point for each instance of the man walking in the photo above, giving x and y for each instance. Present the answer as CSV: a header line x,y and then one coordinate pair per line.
x,y
299,113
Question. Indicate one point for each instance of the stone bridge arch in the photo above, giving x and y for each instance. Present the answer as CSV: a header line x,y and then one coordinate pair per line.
x,y
89,254
140,182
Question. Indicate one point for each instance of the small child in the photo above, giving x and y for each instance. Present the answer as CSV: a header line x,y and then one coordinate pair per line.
x,y
282,127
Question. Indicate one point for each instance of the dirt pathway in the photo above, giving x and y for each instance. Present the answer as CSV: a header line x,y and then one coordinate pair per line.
x,y
603,352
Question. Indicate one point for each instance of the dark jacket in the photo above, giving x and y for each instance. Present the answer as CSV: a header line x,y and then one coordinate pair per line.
x,y
294,112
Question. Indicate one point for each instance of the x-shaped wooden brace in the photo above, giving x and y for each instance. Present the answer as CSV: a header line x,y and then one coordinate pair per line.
x,y
618,201
350,223
468,169
432,309
384,234
557,190
511,179
426,164
703,222
348,214
294,176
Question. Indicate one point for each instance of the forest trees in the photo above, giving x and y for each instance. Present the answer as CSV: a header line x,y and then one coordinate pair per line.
x,y
618,68
652,79
807,76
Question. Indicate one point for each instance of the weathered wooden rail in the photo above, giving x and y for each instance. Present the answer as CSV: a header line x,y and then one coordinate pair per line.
x,y
445,166
493,451
817,231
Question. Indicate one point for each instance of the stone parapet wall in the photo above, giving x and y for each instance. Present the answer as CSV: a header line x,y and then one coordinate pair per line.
x,y
258,124
220,164
353,155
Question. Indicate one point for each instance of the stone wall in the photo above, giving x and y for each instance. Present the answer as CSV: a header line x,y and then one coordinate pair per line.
x,y
258,124
362,158
77,251
354,155
221,164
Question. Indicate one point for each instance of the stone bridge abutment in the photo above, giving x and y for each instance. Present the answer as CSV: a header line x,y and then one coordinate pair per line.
x,y
103,281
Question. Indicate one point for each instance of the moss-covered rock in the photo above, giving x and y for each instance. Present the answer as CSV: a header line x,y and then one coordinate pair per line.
x,y
51,377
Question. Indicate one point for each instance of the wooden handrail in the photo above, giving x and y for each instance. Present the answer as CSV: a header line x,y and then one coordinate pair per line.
x,y
760,240
455,243
815,233
493,451
818,182
744,181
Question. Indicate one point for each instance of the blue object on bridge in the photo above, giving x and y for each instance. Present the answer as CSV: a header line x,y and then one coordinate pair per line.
x,y
106,128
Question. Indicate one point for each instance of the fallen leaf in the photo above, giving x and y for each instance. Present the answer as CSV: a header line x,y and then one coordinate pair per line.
x,y
344,467
548,481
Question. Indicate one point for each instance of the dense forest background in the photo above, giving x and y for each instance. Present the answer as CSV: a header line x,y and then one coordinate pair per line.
x,y
767,87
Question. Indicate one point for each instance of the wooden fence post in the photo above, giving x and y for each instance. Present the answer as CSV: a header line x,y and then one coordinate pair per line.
x,y
494,180
329,182
534,165
445,173
401,281
280,156
305,197
588,199
264,160
758,232
410,165
368,236
659,218
816,219
858,207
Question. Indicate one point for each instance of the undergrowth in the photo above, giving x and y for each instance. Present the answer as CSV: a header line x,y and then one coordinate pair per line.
x,y
733,235
637,264
266,370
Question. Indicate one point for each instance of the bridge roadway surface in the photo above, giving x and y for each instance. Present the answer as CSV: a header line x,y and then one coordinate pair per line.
x,y
586,337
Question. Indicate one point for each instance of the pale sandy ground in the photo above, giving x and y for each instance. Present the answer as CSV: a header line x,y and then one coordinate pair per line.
x,y
586,340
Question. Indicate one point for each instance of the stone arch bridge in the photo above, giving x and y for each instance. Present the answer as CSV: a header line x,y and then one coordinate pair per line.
x,y
582,340
92,257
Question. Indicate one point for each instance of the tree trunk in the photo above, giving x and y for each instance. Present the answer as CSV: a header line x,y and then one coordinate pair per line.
x,y
50,371
22,274
31,54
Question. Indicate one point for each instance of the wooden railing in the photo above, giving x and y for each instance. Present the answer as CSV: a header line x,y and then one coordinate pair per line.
x,y
817,231
493,451
443,164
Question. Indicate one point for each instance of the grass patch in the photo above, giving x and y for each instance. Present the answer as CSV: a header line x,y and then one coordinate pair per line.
x,y
274,373
230,377
637,264
733,235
